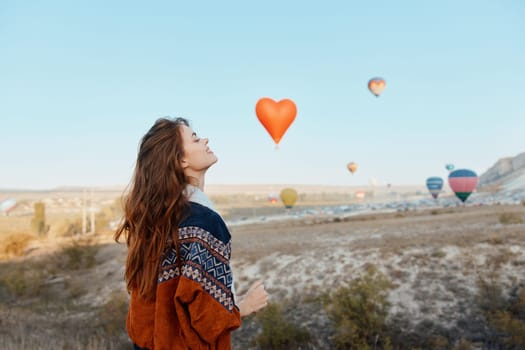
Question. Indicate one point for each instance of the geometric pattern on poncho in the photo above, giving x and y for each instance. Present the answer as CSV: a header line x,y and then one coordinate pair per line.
x,y
205,260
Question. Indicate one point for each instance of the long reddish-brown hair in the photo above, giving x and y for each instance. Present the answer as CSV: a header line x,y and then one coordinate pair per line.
x,y
155,204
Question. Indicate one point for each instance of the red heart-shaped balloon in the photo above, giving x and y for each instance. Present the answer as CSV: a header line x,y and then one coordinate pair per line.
x,y
276,117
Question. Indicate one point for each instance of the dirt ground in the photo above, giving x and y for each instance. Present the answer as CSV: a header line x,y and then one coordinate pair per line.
x,y
435,259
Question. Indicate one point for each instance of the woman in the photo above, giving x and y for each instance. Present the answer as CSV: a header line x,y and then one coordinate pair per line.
x,y
178,265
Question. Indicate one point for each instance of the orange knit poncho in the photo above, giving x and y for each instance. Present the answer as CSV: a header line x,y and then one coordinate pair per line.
x,y
194,306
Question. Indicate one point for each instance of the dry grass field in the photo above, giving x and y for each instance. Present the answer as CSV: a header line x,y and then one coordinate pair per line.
x,y
448,272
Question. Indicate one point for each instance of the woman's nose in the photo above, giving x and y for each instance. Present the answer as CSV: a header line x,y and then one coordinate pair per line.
x,y
206,141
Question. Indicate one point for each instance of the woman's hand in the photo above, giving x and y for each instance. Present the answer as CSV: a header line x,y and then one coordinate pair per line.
x,y
255,299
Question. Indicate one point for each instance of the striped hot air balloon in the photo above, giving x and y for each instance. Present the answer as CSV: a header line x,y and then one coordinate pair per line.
x,y
7,205
463,182
434,185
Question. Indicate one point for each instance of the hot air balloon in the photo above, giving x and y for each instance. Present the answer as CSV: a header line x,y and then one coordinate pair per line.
x,y
449,167
360,194
434,185
276,117
289,197
352,167
463,182
376,86
272,198
7,205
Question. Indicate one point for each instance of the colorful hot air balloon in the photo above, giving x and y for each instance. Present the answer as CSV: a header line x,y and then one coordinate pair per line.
x,y
434,185
276,117
7,205
463,182
376,86
289,197
272,198
352,167
449,167
360,194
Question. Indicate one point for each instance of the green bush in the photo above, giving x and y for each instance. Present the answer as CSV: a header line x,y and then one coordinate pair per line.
x,y
512,329
505,316
277,333
438,254
359,312
510,219
490,294
463,344
112,316
509,322
20,280
76,256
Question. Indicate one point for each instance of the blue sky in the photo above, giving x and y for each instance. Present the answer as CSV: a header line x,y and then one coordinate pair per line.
x,y
81,82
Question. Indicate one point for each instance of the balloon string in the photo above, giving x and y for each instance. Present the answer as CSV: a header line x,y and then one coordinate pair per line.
x,y
276,146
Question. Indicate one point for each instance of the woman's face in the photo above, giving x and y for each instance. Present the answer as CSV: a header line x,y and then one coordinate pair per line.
x,y
198,157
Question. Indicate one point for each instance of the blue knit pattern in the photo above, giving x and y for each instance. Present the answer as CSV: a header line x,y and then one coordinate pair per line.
x,y
205,260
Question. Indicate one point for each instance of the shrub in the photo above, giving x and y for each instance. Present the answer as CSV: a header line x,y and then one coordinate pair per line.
x,y
70,227
76,256
512,329
495,240
503,256
509,321
490,293
112,316
463,344
359,310
15,244
505,316
438,254
510,219
20,280
277,332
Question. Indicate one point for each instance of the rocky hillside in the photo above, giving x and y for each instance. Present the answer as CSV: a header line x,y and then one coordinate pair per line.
x,y
507,174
